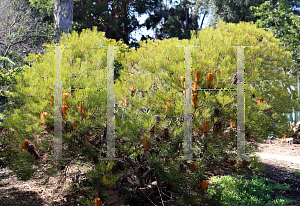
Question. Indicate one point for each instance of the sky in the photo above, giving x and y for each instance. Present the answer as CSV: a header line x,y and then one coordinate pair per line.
x,y
143,31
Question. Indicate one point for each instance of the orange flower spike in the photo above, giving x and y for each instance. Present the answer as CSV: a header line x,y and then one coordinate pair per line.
x,y
25,144
84,112
80,107
167,104
64,110
133,88
195,86
197,76
65,96
231,124
194,166
194,100
205,125
203,185
51,98
260,100
43,116
182,81
126,102
98,201
244,165
145,141
106,179
209,79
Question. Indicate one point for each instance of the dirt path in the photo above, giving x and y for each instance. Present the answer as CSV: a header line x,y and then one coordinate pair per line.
x,y
38,191
283,153
282,161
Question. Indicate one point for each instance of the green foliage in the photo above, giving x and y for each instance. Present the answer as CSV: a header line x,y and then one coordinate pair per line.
x,y
23,164
235,11
150,64
173,24
256,166
25,32
156,67
228,190
43,6
86,201
8,78
98,179
297,174
115,20
275,19
8,74
33,87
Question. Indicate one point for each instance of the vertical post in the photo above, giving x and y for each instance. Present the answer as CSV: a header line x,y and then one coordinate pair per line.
x,y
57,106
110,104
240,104
293,116
187,145
298,87
187,106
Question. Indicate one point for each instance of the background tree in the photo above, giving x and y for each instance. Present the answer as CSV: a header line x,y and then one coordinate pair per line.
x,y
115,18
21,31
281,20
180,20
63,14
239,10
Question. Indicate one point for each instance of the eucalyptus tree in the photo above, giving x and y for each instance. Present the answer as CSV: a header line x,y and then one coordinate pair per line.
x,y
282,21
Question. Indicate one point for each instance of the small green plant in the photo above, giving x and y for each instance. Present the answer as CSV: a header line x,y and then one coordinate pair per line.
x,y
256,166
229,190
297,174
22,168
8,74
86,202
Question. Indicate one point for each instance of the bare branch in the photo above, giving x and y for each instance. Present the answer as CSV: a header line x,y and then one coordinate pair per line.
x,y
19,28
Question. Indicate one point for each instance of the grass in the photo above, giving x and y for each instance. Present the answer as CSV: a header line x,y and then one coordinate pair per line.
x,y
236,191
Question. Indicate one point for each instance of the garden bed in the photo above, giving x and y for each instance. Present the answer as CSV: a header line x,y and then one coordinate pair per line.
x,y
39,191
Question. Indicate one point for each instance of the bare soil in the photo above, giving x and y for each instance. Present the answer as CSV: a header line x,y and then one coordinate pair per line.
x,y
282,170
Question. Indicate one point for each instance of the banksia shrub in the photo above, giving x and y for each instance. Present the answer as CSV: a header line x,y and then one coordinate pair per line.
x,y
162,83
150,101
32,118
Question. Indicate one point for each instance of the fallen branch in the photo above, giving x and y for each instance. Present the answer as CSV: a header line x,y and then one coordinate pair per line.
x,y
138,174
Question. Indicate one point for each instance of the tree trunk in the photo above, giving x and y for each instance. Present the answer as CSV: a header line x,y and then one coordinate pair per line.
x,y
203,19
63,15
